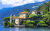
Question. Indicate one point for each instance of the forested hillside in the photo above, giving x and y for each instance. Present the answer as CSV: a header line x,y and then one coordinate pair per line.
x,y
45,8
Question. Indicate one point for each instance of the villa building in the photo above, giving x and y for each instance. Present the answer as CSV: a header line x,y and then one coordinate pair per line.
x,y
23,16
37,12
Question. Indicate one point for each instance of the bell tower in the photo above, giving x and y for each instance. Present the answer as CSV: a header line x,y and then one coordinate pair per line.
x,y
11,18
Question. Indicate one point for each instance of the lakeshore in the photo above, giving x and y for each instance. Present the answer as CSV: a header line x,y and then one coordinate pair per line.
x,y
24,29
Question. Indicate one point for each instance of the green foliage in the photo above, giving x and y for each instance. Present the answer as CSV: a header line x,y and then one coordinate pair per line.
x,y
11,24
26,10
32,16
42,23
35,17
30,25
46,18
14,21
45,8
5,24
26,22
39,17
48,13
32,22
7,19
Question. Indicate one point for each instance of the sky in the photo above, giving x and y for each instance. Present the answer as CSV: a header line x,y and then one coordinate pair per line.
x,y
13,3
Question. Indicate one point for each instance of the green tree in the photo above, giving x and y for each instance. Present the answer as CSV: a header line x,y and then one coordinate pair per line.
x,y
11,24
46,18
26,10
45,8
6,23
32,16
6,19
32,22
42,23
48,6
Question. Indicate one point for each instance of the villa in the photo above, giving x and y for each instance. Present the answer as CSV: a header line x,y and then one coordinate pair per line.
x,y
37,12
23,16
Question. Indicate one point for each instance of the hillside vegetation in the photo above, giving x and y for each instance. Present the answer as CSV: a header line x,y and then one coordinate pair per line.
x,y
45,8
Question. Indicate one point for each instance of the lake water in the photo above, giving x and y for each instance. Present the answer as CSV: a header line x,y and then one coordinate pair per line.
x,y
24,29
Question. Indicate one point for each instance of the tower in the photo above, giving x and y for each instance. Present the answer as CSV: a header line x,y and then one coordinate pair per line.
x,y
14,15
11,18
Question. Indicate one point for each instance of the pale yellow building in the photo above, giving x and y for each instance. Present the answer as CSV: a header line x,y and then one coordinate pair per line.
x,y
22,16
37,12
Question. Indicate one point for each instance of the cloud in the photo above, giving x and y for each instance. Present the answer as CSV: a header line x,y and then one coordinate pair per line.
x,y
19,2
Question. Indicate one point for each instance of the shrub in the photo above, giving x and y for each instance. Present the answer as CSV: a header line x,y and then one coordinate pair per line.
x,y
32,22
25,22
26,10
31,25
11,24
42,23
32,16
6,23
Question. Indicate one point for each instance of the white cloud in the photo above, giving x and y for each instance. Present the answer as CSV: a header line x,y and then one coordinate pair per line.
x,y
19,2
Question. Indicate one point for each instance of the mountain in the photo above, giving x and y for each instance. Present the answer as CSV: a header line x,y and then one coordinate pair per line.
x,y
6,12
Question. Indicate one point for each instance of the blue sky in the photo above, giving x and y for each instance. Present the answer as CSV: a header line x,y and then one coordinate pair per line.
x,y
13,3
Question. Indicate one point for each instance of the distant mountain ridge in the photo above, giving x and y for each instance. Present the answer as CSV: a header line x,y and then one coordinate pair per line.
x,y
6,12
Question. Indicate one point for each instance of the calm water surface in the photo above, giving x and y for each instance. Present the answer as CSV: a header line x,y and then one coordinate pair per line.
x,y
24,29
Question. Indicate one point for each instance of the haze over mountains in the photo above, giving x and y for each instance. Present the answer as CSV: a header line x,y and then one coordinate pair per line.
x,y
6,12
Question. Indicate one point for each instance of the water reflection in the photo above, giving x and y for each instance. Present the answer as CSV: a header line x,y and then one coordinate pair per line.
x,y
24,29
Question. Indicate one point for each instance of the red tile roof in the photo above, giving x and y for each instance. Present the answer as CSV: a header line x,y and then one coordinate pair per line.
x,y
18,17
24,12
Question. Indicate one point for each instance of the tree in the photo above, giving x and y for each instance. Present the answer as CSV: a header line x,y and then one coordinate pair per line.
x,y
48,5
32,16
26,10
42,23
46,18
32,22
45,8
39,8
6,19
